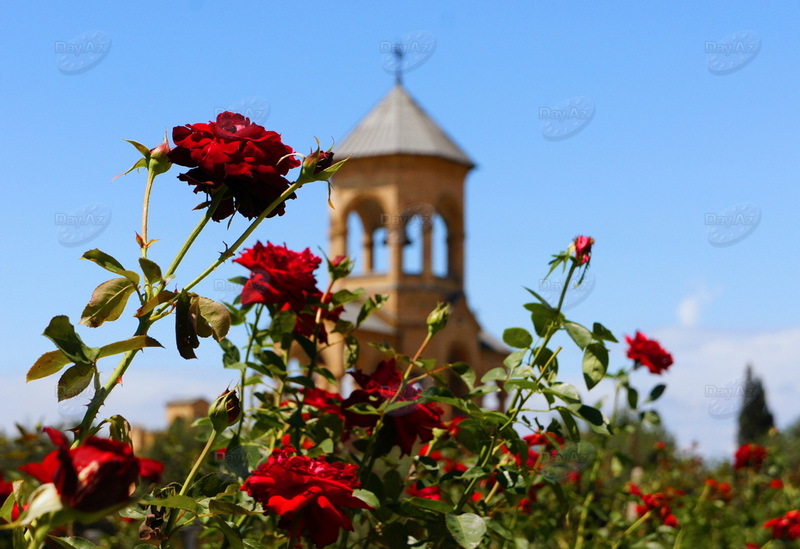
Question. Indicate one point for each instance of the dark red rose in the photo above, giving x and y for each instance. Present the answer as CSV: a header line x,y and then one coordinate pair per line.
x,y
6,489
648,352
749,456
404,425
785,527
279,275
232,151
583,249
285,278
310,495
98,474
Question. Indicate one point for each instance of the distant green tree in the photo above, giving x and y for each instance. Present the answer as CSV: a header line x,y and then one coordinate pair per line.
x,y
755,419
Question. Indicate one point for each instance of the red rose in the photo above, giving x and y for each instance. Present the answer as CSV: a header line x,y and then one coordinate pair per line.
x,y
310,495
657,503
98,474
785,527
278,275
428,492
404,425
232,151
583,249
285,278
749,455
6,489
648,352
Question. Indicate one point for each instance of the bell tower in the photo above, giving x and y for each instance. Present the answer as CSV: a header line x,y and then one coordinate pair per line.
x,y
399,214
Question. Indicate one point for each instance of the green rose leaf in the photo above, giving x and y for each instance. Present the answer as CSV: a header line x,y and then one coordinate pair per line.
x,y
580,335
47,364
656,392
544,318
61,332
133,344
74,381
367,497
467,529
215,316
372,304
566,392
177,502
601,332
595,364
633,397
107,302
151,270
518,338
154,302
110,264
73,542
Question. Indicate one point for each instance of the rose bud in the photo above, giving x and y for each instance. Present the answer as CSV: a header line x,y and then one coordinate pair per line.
x,y
159,162
225,411
318,166
583,249
340,266
437,320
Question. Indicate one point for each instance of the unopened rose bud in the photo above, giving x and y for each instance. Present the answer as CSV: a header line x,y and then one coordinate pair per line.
x,y
318,166
437,320
225,411
340,266
159,162
583,249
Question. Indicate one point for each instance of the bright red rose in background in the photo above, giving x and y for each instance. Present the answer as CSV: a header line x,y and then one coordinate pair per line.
x,y
232,151
310,495
96,475
648,352
785,527
657,502
6,489
749,455
583,249
405,424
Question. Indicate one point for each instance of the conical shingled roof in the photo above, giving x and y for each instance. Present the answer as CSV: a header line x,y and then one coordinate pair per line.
x,y
398,125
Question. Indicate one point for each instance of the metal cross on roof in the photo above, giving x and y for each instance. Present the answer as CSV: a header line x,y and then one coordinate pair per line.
x,y
397,51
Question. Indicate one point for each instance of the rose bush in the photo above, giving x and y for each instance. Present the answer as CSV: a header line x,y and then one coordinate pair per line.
x,y
285,459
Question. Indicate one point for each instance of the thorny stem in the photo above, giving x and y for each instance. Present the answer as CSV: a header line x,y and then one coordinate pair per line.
x,y
193,236
151,176
101,395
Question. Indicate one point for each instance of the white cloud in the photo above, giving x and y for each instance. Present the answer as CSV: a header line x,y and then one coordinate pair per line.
x,y
691,306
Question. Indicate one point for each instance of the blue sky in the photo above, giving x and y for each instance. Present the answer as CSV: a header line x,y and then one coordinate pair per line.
x,y
677,135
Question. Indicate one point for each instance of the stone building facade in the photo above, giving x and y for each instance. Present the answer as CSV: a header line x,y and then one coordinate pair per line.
x,y
399,212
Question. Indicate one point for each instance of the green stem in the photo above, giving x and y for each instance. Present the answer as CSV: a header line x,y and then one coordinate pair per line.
x,y
151,176
186,484
101,395
230,252
193,236
250,341
582,522
631,528
38,537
